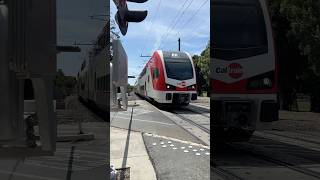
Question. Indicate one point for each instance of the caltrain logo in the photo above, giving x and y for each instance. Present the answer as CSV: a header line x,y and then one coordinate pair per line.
x,y
182,83
234,70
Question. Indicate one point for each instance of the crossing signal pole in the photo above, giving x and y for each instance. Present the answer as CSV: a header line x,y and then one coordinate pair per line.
x,y
124,15
179,44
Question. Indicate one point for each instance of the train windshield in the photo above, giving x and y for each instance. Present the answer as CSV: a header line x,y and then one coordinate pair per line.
x,y
180,69
238,29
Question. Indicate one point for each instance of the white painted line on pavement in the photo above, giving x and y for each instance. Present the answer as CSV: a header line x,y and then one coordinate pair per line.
x,y
147,121
28,175
181,141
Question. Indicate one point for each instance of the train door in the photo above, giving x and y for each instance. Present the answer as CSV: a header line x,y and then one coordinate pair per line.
x,y
148,84
145,88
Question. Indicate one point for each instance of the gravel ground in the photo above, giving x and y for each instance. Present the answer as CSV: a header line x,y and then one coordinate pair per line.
x,y
303,122
202,100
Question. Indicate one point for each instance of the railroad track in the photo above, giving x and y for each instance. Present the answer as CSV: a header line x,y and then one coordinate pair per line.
x,y
205,129
297,150
225,174
198,110
293,138
278,162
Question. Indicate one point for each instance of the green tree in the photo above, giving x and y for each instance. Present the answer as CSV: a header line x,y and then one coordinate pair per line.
x,y
130,88
64,84
202,64
304,20
296,26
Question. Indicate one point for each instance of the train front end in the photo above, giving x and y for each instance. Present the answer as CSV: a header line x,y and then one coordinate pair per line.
x,y
243,69
178,85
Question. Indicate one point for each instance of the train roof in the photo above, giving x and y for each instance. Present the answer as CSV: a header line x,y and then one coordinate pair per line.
x,y
174,54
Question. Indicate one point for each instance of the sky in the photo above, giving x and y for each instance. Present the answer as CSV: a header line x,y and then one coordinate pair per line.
x,y
167,20
74,24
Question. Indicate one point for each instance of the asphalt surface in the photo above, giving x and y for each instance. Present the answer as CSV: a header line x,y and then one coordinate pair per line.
x,y
171,162
146,118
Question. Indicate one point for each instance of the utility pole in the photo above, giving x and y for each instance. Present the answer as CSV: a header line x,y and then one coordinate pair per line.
x,y
179,44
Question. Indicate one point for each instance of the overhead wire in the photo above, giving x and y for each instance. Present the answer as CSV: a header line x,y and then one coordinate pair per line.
x,y
177,22
152,22
190,19
190,38
171,24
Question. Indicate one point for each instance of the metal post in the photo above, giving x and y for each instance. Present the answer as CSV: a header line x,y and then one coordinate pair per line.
x,y
179,44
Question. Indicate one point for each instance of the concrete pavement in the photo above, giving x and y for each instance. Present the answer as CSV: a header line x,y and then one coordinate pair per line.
x,y
127,150
133,133
176,159
80,160
147,118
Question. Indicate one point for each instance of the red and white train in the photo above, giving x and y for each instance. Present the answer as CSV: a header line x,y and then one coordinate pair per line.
x,y
243,69
168,77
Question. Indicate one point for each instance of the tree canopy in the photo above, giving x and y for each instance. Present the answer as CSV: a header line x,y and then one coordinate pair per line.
x,y
202,64
296,25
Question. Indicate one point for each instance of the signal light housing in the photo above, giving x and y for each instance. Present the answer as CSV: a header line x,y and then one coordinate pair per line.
x,y
124,15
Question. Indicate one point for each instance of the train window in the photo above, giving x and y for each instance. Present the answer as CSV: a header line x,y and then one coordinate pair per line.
x,y
105,82
180,69
238,29
102,82
156,72
99,84
143,72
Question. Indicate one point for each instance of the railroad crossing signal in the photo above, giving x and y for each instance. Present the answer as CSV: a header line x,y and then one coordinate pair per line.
x,y
124,15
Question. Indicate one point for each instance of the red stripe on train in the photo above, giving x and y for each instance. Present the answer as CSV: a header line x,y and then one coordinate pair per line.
x,y
239,87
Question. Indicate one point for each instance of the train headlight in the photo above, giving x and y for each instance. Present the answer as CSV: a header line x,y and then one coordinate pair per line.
x,y
193,87
170,87
267,82
262,81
